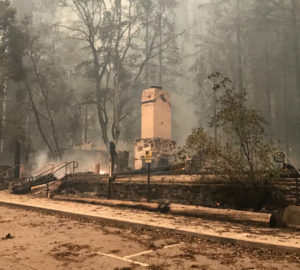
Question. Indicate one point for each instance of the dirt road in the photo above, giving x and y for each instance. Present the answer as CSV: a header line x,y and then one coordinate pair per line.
x,y
31,240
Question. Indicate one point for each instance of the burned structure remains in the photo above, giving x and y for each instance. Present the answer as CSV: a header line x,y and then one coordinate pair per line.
x,y
156,129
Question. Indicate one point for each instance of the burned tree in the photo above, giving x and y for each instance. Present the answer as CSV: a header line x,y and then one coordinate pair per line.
x,y
112,32
48,93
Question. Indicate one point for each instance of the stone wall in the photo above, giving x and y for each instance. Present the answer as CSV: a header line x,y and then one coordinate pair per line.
x,y
162,152
213,194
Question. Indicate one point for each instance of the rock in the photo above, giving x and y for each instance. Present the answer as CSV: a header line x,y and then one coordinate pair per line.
x,y
7,237
164,208
291,217
288,217
276,219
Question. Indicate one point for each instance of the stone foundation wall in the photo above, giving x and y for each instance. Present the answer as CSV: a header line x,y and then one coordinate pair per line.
x,y
162,152
202,194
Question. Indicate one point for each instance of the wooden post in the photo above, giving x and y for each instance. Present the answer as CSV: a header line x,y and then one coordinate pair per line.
x,y
97,169
148,159
110,179
113,155
67,186
149,170
297,191
17,159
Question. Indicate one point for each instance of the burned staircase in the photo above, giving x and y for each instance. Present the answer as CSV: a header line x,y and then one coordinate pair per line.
x,y
45,176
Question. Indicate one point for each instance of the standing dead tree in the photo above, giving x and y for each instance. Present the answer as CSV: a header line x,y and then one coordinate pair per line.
x,y
43,87
46,89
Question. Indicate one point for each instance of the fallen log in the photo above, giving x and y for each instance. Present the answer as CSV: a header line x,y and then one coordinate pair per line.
x,y
182,210
116,203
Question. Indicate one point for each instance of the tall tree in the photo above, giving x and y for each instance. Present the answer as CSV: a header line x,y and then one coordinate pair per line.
x,y
12,45
112,33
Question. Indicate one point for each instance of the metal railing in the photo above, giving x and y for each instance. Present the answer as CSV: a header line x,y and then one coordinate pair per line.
x,y
69,170
45,170
69,166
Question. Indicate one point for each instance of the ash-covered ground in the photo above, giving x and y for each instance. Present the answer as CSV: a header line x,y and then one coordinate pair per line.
x,y
40,241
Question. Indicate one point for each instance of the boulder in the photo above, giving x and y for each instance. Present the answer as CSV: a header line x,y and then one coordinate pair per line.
x,y
291,217
276,219
288,217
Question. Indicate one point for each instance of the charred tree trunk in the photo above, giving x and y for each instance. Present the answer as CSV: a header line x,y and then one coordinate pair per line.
x,y
45,93
286,116
100,99
38,121
3,112
85,139
160,57
295,31
268,90
147,45
17,159
239,47
54,135
116,127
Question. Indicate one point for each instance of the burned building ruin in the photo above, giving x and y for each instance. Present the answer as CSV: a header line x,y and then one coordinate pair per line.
x,y
156,129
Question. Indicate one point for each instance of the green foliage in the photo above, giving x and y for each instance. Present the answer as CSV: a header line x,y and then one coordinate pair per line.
x,y
257,44
243,154
198,152
12,43
7,16
12,47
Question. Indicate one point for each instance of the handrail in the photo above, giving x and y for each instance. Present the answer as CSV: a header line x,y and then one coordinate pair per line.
x,y
44,167
66,165
49,170
62,165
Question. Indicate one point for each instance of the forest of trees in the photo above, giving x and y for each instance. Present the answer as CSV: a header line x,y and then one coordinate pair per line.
x,y
255,42
72,71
